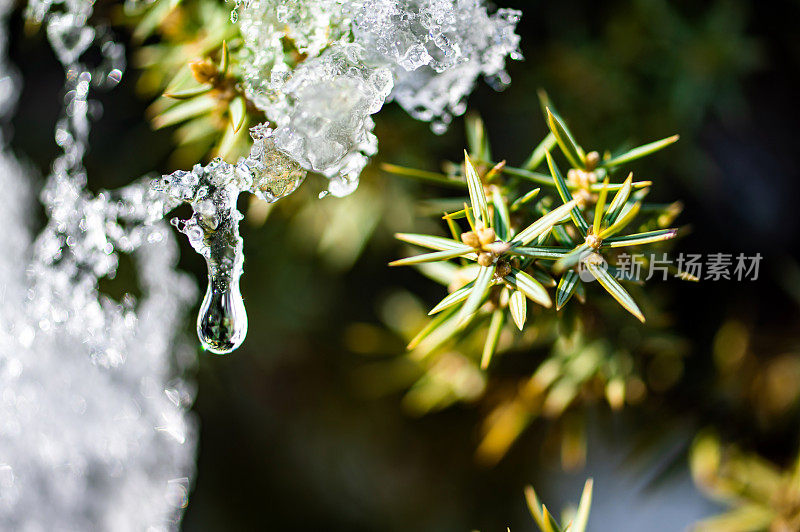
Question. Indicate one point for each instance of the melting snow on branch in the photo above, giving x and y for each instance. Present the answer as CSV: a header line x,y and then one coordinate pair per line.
x,y
351,56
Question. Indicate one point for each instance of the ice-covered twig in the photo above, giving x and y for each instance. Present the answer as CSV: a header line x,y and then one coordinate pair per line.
x,y
352,56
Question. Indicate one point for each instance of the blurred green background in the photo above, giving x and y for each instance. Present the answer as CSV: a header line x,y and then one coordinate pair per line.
x,y
306,427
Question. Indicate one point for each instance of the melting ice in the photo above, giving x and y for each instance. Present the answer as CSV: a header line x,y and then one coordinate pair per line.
x,y
354,55
213,229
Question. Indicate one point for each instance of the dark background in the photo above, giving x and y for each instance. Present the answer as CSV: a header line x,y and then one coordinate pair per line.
x,y
291,435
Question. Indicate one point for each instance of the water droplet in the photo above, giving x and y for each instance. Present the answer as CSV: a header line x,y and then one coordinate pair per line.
x,y
213,232
115,76
222,321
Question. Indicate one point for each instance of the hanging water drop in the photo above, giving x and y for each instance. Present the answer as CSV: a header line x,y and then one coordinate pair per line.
x,y
222,321
213,231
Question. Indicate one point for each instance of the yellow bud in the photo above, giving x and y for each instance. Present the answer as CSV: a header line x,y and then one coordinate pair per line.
x,y
486,236
572,176
485,259
592,160
470,239
203,70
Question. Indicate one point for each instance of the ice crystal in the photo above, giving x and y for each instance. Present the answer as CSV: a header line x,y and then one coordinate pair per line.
x,y
438,90
94,432
327,127
347,57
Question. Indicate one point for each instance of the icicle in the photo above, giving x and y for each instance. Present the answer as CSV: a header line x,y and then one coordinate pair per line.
x,y
213,229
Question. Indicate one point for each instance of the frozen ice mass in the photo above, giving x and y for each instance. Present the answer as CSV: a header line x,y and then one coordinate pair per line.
x,y
352,56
